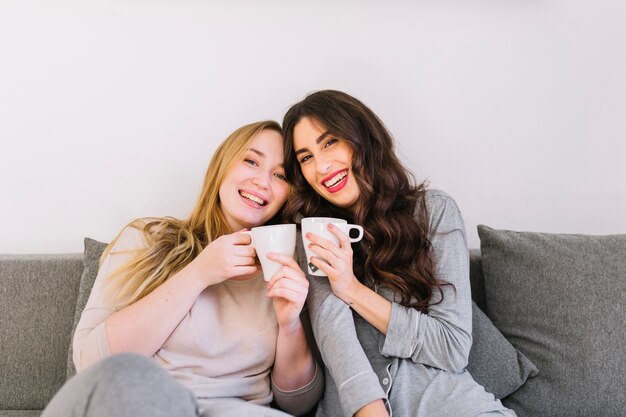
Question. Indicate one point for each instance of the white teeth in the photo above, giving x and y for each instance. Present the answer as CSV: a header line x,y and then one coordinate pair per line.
x,y
334,180
252,198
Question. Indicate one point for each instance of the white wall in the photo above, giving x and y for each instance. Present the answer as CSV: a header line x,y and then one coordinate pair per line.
x,y
110,110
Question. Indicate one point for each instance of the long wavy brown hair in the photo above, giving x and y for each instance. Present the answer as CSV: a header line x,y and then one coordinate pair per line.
x,y
395,250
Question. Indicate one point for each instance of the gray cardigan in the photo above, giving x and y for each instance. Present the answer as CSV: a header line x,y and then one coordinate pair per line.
x,y
418,367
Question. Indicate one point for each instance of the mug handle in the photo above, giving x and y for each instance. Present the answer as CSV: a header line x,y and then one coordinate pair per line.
x,y
357,227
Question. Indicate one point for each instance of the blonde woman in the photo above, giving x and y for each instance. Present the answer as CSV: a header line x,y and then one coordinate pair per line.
x,y
180,321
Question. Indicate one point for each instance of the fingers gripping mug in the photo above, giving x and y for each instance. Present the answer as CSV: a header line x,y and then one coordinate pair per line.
x,y
319,226
280,238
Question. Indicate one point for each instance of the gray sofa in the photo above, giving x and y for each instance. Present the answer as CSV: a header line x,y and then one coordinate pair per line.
x,y
550,344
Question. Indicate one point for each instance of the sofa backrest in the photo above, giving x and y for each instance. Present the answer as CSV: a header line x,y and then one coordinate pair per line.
x,y
37,302
477,279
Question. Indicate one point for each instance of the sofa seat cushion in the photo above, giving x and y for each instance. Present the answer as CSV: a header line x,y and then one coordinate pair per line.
x,y
20,413
561,299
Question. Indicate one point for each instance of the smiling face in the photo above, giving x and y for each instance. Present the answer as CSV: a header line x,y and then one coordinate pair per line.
x,y
255,187
326,163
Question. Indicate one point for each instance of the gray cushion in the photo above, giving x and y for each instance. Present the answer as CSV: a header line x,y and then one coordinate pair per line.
x,y
477,280
37,301
560,300
91,264
493,361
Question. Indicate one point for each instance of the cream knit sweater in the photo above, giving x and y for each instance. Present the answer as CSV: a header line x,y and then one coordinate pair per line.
x,y
224,347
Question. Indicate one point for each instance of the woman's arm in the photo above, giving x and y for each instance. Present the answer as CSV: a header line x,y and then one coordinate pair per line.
x,y
89,342
335,335
371,306
447,326
297,380
297,384
335,260
294,366
443,337
144,326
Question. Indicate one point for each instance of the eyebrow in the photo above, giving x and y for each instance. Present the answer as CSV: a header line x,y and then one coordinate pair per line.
x,y
258,152
317,141
262,155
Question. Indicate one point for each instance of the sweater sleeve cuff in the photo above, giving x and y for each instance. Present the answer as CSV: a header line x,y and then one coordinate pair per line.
x,y
402,332
353,395
300,400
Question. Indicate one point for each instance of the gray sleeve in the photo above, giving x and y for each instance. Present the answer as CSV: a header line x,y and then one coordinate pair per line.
x,y
300,401
443,337
335,335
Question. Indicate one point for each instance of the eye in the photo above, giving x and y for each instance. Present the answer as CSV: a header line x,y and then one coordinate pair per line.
x,y
251,162
330,142
280,176
305,158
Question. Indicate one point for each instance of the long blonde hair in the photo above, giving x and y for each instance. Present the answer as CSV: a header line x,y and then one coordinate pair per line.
x,y
172,243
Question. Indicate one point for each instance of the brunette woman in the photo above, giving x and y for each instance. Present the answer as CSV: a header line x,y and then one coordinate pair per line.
x,y
394,325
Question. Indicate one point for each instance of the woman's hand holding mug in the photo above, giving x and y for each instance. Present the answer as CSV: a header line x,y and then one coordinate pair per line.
x,y
228,256
332,253
288,289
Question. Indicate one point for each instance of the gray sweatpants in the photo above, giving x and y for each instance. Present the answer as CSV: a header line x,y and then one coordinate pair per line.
x,y
129,385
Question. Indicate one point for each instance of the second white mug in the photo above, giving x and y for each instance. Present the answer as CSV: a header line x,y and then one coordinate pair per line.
x,y
319,226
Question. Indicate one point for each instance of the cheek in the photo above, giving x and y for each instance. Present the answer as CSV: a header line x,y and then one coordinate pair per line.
x,y
308,172
356,193
221,192
282,192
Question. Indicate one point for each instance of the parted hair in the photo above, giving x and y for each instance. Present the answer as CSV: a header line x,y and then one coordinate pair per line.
x,y
395,250
171,244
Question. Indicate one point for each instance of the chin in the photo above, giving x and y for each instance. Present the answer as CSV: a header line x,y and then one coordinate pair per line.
x,y
346,202
345,206
249,223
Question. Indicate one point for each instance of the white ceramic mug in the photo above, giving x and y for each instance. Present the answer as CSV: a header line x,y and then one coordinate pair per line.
x,y
279,238
319,226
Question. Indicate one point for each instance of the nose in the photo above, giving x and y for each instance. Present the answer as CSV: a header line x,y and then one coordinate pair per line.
x,y
262,180
322,165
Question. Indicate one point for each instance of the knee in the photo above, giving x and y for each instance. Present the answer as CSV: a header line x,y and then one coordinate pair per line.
x,y
127,365
123,385
132,371
128,377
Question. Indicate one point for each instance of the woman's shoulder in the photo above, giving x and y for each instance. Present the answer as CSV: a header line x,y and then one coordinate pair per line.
x,y
438,199
132,236
443,211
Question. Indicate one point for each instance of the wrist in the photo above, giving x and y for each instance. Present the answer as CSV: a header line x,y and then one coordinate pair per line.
x,y
353,293
290,329
194,276
376,408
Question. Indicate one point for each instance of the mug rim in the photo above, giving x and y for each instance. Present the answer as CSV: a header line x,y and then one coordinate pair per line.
x,y
323,220
274,226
